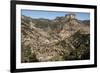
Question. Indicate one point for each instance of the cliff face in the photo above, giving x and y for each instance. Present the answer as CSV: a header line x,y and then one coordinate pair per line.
x,y
54,40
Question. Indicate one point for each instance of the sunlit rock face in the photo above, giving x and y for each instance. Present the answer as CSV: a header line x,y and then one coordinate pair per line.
x,y
64,38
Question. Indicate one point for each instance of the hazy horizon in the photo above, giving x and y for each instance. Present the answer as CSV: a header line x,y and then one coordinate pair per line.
x,y
53,14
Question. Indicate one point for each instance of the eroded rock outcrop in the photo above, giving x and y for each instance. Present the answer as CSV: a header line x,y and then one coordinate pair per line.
x,y
64,38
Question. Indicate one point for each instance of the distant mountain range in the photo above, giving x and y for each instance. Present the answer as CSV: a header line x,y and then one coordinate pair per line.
x,y
64,38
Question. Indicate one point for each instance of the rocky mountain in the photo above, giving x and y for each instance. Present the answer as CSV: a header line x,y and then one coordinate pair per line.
x,y
64,38
86,22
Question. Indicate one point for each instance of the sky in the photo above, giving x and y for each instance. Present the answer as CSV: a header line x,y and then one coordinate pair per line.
x,y
53,14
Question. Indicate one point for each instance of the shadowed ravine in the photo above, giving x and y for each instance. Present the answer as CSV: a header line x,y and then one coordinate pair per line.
x,y
54,40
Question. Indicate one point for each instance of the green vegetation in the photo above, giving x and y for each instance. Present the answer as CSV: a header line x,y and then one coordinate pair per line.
x,y
28,56
81,42
58,40
57,58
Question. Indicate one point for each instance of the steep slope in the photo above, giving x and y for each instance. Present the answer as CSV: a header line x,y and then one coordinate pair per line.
x,y
54,40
